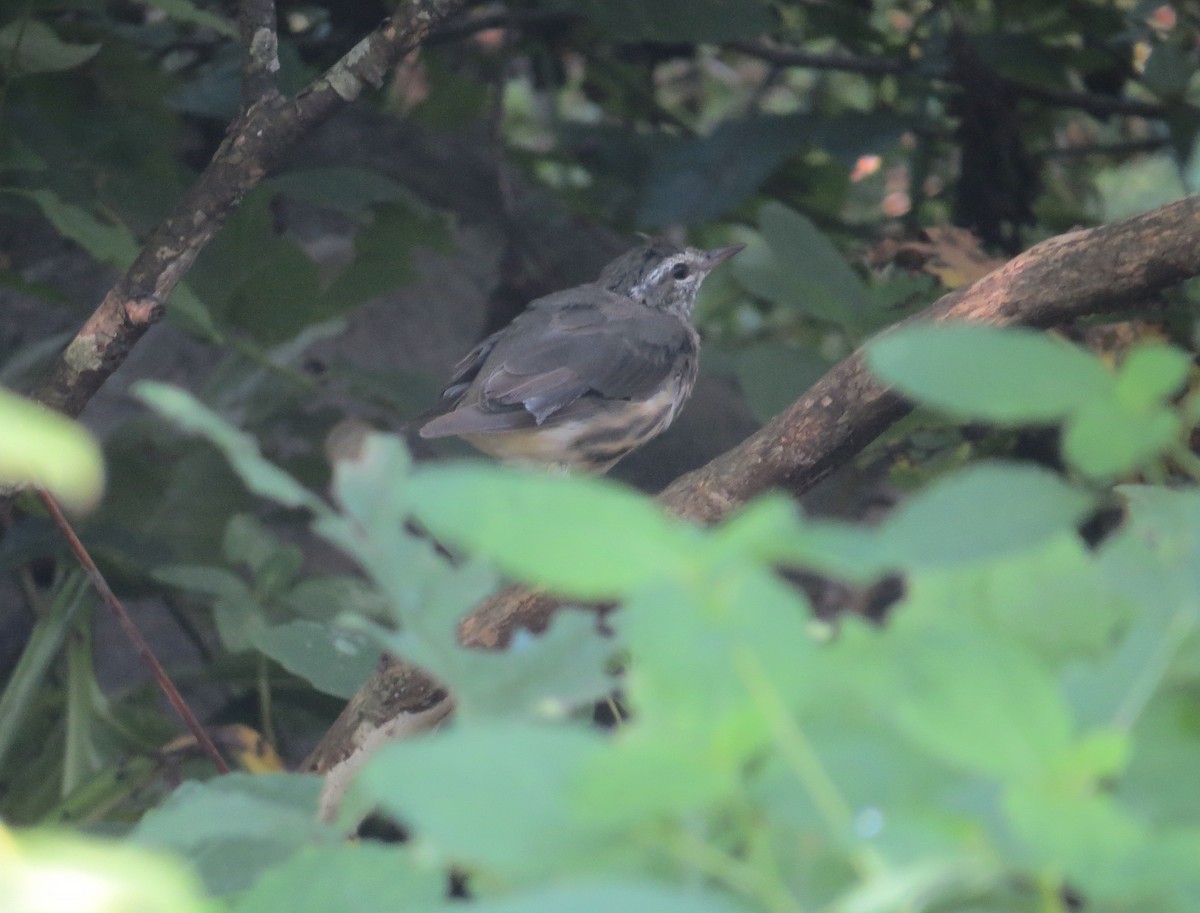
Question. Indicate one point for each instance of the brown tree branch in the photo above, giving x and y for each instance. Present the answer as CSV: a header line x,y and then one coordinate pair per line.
x,y
265,129
1083,272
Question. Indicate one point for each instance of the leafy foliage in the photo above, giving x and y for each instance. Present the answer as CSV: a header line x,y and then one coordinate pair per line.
x,y
1020,731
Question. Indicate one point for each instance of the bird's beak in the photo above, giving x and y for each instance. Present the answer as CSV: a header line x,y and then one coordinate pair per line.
x,y
721,254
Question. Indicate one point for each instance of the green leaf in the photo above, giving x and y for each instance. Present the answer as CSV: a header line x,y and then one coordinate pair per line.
x,y
976,699
187,12
771,529
1056,579
1151,373
982,511
260,476
741,623
1078,832
44,643
363,877
30,46
350,191
235,827
48,872
986,373
503,802
801,269
1105,439
582,537
40,447
212,581
545,676
1169,70
1155,557
336,660
109,243
692,181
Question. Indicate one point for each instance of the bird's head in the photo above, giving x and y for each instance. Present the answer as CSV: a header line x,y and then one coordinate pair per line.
x,y
663,276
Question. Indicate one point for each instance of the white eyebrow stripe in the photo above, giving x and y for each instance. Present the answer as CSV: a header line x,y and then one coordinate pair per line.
x,y
655,275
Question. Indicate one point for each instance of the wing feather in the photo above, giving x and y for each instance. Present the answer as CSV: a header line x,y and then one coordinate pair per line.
x,y
583,343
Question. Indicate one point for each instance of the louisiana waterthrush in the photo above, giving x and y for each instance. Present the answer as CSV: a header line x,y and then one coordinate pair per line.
x,y
584,376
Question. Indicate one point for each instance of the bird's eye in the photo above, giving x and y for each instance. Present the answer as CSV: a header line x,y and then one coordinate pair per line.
x,y
680,271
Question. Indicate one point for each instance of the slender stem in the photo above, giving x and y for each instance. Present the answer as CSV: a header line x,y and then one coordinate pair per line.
x,y
263,682
736,873
802,757
131,631
1142,688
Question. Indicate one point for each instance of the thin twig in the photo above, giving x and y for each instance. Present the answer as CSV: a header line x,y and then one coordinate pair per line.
x,y
131,631
885,66
797,57
1092,104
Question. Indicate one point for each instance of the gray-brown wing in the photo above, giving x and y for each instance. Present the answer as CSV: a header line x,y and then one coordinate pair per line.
x,y
563,350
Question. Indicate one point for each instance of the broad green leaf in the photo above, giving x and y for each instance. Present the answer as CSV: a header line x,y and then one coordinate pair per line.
x,y
1105,439
743,626
336,660
801,269
1079,832
696,180
40,447
261,477
1154,559
44,872
771,529
359,877
212,581
1052,596
109,243
350,191
1165,740
237,826
656,773
330,595
973,371
582,537
1115,689
982,511
538,676
1150,373
975,699
500,798
1169,70
30,46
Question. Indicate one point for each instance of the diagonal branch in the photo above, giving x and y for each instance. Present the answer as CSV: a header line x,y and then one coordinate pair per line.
x,y
267,127
1105,269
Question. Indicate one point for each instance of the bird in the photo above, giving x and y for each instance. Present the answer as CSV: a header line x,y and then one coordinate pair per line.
x,y
584,376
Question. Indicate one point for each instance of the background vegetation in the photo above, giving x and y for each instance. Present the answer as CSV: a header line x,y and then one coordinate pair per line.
x,y
984,695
